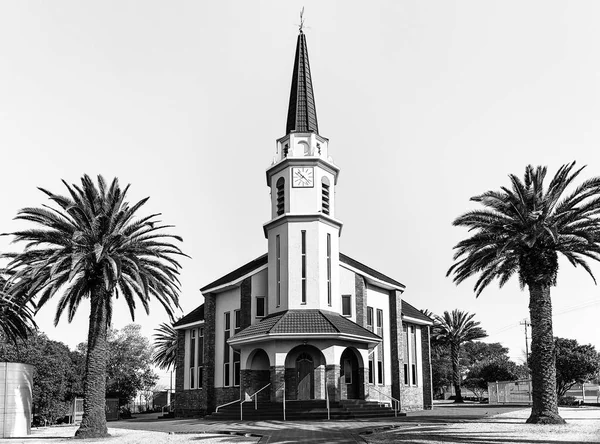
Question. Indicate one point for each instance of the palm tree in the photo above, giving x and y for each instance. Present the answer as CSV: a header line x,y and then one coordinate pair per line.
x,y
453,330
16,316
91,247
165,346
521,231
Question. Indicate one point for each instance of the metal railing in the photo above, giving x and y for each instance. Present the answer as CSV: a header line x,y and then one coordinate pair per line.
x,y
250,399
395,402
225,405
168,407
327,401
282,387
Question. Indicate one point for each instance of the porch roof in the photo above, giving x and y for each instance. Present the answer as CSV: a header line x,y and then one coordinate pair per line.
x,y
309,322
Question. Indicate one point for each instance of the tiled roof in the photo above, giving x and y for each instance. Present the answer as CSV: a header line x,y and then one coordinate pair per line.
x,y
368,270
194,316
303,322
302,113
238,273
409,310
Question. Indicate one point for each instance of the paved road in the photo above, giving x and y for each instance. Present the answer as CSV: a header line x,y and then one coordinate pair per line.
x,y
335,432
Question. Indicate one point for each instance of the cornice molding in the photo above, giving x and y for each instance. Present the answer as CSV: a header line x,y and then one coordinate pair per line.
x,y
312,217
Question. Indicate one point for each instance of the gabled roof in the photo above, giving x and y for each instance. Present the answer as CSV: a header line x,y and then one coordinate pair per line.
x,y
261,261
302,113
238,273
196,315
304,322
412,312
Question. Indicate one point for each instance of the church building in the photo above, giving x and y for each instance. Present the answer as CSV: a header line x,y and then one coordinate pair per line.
x,y
303,321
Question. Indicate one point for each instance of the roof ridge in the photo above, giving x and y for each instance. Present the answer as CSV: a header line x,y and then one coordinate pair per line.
x,y
328,320
282,314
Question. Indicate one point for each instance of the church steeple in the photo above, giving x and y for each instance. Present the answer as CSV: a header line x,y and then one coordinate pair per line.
x,y
302,113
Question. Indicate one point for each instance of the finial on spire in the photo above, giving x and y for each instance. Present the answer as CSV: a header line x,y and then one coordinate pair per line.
x,y
301,19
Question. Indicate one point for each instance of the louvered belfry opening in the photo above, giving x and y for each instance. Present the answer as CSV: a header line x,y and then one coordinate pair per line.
x,y
302,113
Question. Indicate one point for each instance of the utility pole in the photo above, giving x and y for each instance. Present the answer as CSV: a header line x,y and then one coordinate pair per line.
x,y
526,324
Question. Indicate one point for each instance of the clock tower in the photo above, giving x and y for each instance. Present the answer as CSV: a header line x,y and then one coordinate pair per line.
x,y
303,233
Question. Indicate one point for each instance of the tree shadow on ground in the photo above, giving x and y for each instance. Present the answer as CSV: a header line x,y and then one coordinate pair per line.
x,y
443,435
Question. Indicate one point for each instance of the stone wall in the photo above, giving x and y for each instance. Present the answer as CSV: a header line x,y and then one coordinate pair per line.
x,y
396,344
360,292
208,381
411,399
223,395
427,382
254,380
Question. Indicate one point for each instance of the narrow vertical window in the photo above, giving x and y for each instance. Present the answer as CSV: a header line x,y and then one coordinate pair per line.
x,y
226,365
260,306
370,318
303,267
192,358
238,321
406,354
237,326
325,196
372,355
380,372
278,254
236,368
346,305
329,269
200,354
413,355
280,196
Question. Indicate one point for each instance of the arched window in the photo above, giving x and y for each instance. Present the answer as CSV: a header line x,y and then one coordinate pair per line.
x,y
325,195
280,196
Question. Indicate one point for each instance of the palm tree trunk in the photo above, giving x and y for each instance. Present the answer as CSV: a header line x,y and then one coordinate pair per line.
x,y
93,422
455,356
542,362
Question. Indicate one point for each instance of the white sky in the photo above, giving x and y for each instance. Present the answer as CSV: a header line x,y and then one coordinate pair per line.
x,y
425,104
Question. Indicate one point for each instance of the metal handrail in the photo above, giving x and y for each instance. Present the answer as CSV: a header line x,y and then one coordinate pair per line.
x,y
396,404
167,406
225,405
255,400
327,399
282,386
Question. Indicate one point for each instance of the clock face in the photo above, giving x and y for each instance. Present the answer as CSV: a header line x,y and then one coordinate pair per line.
x,y
302,177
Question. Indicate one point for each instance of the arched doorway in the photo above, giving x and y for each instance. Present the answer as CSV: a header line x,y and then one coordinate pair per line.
x,y
350,375
257,374
305,371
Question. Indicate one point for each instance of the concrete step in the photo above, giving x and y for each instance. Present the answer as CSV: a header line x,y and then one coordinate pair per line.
x,y
309,410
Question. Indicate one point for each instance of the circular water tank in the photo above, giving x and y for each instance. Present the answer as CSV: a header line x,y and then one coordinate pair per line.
x,y
16,383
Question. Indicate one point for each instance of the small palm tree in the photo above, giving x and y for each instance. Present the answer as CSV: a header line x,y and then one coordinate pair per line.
x,y
521,231
16,315
453,330
91,247
165,346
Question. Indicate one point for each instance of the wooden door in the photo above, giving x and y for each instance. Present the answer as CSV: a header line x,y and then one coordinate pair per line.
x,y
305,371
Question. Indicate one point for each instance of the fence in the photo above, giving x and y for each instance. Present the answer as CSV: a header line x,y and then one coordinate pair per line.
x,y
510,392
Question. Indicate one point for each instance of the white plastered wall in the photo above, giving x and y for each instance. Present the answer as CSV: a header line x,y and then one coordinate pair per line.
x,y
227,301
347,286
380,299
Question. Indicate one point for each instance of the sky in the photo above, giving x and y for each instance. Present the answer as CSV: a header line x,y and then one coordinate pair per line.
x,y
425,104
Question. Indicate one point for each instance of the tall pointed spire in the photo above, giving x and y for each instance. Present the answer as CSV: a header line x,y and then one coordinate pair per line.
x,y
302,113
